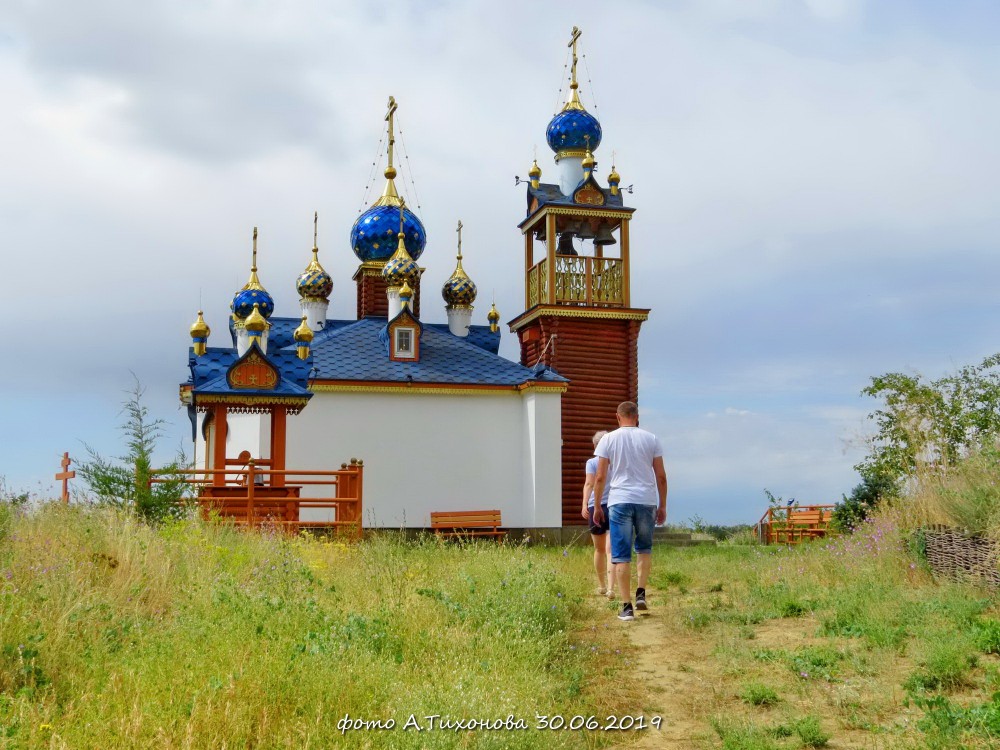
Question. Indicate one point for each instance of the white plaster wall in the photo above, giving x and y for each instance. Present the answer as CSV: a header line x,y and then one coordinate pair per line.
x,y
424,453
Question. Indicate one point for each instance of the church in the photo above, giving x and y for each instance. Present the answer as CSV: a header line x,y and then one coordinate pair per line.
x,y
440,420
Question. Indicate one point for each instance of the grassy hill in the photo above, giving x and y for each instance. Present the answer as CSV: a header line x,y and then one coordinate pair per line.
x,y
114,634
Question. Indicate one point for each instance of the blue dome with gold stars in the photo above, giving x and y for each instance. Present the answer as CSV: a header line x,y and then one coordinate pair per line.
x,y
373,236
573,130
244,301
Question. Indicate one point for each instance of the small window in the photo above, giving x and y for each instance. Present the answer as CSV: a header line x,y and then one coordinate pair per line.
x,y
404,342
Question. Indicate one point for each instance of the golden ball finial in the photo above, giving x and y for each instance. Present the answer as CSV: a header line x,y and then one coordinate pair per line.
x,y
303,334
255,322
588,160
200,329
390,173
405,291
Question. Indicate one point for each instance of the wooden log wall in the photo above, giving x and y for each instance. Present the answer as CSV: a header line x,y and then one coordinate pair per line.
x,y
372,301
600,358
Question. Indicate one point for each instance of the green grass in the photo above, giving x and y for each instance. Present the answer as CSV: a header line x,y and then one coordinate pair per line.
x,y
758,694
117,635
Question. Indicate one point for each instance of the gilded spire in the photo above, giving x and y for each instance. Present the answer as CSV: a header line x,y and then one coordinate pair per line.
x,y
459,291
389,196
400,267
254,282
494,317
314,283
199,335
574,96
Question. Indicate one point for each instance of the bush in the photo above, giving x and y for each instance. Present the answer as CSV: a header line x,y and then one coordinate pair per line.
x,y
758,694
810,732
124,482
853,509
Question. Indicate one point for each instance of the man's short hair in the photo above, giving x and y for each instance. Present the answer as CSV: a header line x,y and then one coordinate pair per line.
x,y
628,410
598,435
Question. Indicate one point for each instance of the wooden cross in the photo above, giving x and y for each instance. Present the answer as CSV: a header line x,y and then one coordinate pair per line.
x,y
572,43
459,230
389,119
65,475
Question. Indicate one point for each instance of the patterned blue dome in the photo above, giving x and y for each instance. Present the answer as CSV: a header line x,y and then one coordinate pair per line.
x,y
568,131
244,301
373,236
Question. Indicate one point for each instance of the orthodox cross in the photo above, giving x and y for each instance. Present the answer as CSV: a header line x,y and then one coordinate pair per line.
x,y
65,475
572,43
402,205
389,119
315,230
459,230
253,267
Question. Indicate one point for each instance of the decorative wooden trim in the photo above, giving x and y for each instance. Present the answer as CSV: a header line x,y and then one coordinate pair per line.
x,y
549,210
434,389
560,311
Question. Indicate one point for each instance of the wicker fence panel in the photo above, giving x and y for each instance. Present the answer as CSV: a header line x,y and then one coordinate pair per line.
x,y
952,553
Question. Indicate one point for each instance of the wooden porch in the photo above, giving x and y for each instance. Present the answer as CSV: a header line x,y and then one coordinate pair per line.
x,y
251,493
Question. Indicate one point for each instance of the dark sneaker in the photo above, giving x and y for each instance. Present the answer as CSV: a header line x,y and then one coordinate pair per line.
x,y
640,599
626,613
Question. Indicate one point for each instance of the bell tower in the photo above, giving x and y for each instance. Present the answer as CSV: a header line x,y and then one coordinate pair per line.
x,y
578,317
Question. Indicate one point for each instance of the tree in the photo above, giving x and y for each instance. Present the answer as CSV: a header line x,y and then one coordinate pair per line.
x,y
932,425
124,482
853,509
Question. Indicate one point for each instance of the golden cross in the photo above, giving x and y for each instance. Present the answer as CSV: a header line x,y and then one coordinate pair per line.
x,y
459,230
315,230
402,205
389,119
572,43
65,475
254,266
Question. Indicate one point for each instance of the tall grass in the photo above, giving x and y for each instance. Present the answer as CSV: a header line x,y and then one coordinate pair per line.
x,y
114,634
967,495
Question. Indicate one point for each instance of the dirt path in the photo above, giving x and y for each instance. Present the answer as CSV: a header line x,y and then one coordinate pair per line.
x,y
675,668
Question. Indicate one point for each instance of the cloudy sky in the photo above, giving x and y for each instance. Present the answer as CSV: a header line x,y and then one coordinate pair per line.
x,y
816,184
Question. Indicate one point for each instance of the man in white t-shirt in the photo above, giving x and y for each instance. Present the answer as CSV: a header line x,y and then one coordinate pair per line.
x,y
630,460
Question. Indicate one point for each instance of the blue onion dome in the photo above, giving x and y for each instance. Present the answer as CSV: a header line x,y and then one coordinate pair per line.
x,y
314,282
459,290
400,269
252,293
572,131
374,232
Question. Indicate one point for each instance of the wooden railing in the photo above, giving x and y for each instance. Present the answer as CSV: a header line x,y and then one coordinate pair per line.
x,y
253,496
584,280
794,524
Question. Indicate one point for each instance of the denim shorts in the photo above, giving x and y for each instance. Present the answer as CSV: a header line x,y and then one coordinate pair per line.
x,y
630,520
599,529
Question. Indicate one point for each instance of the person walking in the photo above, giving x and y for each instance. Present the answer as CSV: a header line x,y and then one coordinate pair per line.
x,y
630,461
599,531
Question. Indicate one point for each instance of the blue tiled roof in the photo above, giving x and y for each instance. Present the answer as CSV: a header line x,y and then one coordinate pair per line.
x,y
208,372
551,195
352,351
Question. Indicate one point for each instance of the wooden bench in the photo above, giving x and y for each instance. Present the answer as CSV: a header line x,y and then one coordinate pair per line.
x,y
801,525
467,523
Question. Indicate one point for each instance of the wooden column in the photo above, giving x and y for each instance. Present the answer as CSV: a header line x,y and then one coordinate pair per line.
x,y
550,254
626,273
220,429
529,257
278,423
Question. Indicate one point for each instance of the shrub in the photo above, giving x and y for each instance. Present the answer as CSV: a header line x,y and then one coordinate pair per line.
x,y
810,732
758,694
